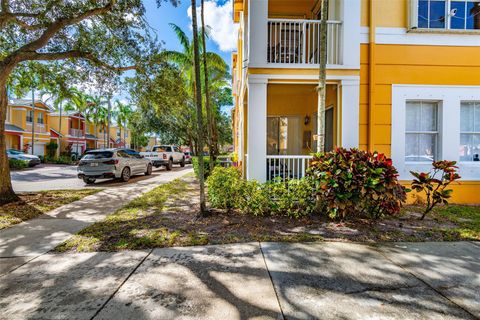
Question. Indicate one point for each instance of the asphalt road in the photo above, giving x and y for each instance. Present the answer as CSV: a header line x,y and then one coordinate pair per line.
x,y
60,177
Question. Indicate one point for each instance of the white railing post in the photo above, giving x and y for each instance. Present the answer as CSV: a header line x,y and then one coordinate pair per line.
x,y
304,42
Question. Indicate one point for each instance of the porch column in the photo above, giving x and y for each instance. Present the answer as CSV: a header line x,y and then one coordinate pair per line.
x,y
350,113
20,145
257,129
257,32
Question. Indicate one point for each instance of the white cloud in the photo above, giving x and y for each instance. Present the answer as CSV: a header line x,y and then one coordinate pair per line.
x,y
219,18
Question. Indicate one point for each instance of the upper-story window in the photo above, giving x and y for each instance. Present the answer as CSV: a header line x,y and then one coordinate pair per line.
x,y
470,131
40,118
30,116
448,14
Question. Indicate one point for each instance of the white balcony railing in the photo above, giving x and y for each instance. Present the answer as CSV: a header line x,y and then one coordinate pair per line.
x,y
75,133
292,41
287,167
39,128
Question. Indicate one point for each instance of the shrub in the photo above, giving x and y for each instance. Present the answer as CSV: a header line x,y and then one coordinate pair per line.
x,y
294,197
223,187
433,187
253,198
353,182
206,166
63,160
17,164
51,149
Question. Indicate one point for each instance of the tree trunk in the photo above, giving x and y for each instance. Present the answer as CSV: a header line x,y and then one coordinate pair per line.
x,y
322,85
198,100
211,148
7,194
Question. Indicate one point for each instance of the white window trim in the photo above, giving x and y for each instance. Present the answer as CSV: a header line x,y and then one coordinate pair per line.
x,y
449,98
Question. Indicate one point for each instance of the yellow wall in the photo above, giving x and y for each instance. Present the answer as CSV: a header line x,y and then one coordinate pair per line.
x,y
289,9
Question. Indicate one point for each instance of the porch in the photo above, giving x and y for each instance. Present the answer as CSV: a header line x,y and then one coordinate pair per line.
x,y
280,126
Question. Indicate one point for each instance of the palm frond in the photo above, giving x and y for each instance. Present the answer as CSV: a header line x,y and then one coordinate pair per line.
x,y
182,37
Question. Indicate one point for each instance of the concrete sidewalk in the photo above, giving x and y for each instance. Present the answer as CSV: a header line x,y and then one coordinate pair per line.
x,y
250,281
37,236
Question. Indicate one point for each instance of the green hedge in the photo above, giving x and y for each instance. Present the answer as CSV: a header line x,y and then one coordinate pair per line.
x,y
17,164
206,165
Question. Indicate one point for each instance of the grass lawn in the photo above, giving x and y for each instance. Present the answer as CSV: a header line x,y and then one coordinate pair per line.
x,y
35,204
167,216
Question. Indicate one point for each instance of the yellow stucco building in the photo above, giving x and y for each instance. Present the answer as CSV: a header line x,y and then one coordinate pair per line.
x,y
402,79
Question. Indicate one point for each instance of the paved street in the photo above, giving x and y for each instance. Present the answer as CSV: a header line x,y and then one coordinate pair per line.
x,y
37,236
249,281
59,177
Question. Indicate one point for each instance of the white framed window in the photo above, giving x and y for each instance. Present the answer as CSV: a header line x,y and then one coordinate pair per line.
x,y
421,131
470,131
40,118
446,14
29,116
451,137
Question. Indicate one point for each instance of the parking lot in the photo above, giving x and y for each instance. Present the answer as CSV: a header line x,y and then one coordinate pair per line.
x,y
60,177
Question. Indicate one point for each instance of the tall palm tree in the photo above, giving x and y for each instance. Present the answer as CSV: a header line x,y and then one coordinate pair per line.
x,y
80,103
94,113
198,100
122,114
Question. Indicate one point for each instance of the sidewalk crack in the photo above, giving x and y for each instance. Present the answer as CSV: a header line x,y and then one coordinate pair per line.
x,y
121,285
271,281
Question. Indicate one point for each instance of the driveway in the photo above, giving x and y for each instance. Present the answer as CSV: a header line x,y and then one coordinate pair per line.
x,y
60,177
249,281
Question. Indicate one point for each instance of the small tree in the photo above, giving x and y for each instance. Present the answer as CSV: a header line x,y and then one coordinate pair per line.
x,y
52,149
435,189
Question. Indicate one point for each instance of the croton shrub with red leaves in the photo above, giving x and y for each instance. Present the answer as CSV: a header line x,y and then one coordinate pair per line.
x,y
351,183
434,183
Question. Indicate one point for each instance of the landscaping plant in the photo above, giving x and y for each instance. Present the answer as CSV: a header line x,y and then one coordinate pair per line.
x,y
435,188
17,164
223,187
206,166
293,198
352,183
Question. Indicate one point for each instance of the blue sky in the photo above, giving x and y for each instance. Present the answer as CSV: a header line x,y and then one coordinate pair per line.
x,y
159,18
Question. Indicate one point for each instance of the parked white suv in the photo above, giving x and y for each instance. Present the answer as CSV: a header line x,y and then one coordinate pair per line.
x,y
112,163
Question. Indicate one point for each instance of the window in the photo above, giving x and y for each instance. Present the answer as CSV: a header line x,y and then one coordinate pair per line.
x,y
470,131
448,14
30,116
118,133
284,136
421,135
40,118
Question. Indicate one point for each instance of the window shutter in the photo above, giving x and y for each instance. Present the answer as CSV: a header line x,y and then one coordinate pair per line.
x,y
413,14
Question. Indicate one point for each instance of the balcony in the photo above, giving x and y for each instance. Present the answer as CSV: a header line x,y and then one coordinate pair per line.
x,y
75,132
39,128
292,41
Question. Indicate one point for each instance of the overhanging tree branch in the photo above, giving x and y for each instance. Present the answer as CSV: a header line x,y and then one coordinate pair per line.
x,y
49,56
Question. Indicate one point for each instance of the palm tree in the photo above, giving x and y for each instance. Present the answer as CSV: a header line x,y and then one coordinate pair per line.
x,y
322,77
80,104
94,113
198,100
122,114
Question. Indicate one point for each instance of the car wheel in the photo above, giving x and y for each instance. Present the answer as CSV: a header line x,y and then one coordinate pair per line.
x,y
89,180
182,163
149,170
125,174
169,165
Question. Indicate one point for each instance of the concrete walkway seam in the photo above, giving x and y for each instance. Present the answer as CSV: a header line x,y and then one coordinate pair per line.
x,y
427,284
121,284
271,281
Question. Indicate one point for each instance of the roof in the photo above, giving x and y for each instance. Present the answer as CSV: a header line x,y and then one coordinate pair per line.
x,y
11,127
66,114
27,103
55,133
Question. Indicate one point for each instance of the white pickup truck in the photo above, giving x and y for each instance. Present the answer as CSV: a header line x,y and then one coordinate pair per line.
x,y
165,155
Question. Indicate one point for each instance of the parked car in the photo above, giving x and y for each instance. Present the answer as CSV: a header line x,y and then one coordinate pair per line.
x,y
165,155
188,157
115,163
32,160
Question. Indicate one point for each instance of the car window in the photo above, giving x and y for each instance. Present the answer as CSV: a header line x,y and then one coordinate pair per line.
x,y
158,149
123,154
97,155
11,151
133,153
167,148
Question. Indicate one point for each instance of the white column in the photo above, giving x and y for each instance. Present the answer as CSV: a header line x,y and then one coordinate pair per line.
x,y
257,130
257,31
350,113
21,142
350,16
